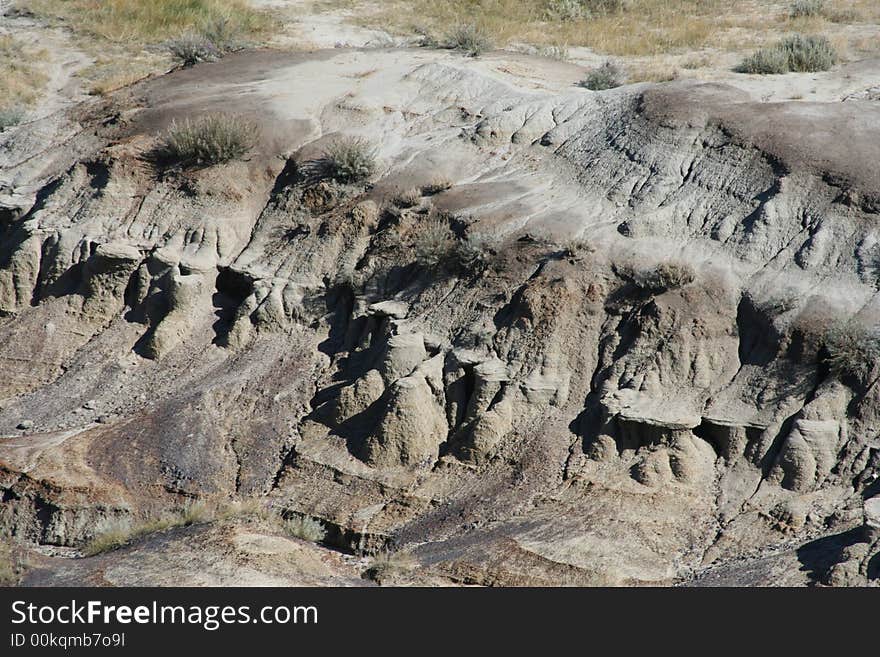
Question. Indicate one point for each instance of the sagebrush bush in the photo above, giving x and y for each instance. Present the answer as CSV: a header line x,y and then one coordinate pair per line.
x,y
222,32
305,528
210,139
388,566
433,243
469,38
346,160
852,349
809,54
436,186
767,61
191,49
408,198
607,76
665,276
437,247
10,117
806,8
797,53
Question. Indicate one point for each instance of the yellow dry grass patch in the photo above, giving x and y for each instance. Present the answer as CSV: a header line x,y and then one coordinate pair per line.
x,y
642,28
122,35
20,78
136,21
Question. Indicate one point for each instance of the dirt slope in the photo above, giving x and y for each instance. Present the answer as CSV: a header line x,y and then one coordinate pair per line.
x,y
627,386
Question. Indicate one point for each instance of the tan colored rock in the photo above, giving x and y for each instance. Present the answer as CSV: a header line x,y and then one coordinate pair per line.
x,y
412,427
808,454
403,354
358,396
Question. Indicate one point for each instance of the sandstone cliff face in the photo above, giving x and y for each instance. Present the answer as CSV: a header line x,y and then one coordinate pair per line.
x,y
631,388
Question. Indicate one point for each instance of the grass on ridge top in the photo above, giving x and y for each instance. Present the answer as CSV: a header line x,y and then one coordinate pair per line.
x,y
146,21
638,28
20,79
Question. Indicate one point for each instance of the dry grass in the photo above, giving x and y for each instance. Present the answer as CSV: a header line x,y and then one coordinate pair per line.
x,y
391,567
207,140
107,76
20,78
122,532
641,28
123,35
139,22
645,27
652,73
853,350
305,528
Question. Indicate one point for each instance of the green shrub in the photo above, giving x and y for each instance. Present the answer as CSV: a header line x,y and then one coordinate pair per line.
x,y
797,53
665,276
408,199
347,160
768,61
223,33
390,566
470,39
572,10
437,185
852,349
191,49
305,528
607,76
10,117
806,8
210,139
809,54
436,247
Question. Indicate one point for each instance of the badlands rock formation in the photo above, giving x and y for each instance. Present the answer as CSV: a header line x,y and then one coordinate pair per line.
x,y
629,385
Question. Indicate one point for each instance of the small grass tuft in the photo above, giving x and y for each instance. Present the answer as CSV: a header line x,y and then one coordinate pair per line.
x,y
305,528
347,160
469,38
852,349
208,140
387,567
436,247
408,198
436,186
555,51
607,76
663,277
577,249
191,49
